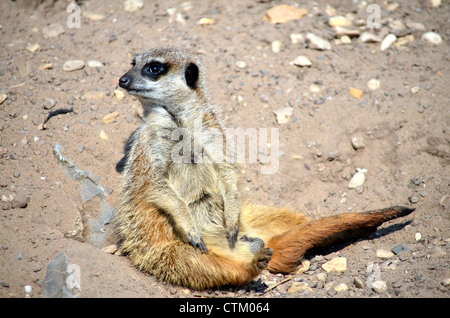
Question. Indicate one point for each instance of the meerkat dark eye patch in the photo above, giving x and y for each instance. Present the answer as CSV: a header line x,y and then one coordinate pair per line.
x,y
154,69
191,75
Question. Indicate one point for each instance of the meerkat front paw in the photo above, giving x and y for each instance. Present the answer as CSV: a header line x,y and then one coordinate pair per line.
x,y
196,240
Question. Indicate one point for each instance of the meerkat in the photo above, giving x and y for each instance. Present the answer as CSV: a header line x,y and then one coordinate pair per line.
x,y
186,221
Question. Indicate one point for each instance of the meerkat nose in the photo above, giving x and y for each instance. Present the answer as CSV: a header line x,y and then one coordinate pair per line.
x,y
125,81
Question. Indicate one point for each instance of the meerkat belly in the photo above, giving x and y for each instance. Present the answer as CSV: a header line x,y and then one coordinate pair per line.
x,y
197,186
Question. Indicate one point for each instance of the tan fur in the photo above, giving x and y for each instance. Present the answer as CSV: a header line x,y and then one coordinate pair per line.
x,y
186,223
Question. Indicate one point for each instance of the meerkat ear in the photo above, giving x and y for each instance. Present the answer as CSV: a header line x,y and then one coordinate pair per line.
x,y
191,75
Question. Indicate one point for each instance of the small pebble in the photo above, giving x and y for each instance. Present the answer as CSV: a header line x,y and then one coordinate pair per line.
x,y
432,37
315,42
241,64
133,5
338,21
103,135
110,117
413,199
384,254
358,143
417,236
110,249
299,286
373,84
276,46
20,201
73,65
342,287
379,286
49,103
445,282
93,63
3,97
283,114
322,277
355,92
16,174
28,289
357,180
301,61
399,248
358,282
367,37
337,264
388,41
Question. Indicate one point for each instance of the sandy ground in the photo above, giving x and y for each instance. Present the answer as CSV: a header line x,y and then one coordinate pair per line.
x,y
402,128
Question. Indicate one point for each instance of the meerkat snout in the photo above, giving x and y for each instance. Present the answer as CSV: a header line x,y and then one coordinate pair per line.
x,y
125,81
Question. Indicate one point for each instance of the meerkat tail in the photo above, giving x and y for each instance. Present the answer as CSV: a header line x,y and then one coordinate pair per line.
x,y
289,247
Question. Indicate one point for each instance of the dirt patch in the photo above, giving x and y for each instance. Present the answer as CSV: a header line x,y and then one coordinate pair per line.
x,y
399,125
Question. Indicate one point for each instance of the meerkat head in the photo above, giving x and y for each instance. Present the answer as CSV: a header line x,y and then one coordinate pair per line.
x,y
164,76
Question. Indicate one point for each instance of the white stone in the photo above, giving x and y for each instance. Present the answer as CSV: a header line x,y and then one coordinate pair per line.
x,y
276,46
415,26
432,37
357,180
435,3
92,16
322,277
373,84
133,5
338,21
283,114
358,143
337,264
297,38
342,287
367,37
345,39
315,42
73,65
301,61
241,64
388,41
93,63
3,97
384,254
379,286
417,236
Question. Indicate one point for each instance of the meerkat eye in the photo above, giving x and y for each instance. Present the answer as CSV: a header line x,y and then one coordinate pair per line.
x,y
154,69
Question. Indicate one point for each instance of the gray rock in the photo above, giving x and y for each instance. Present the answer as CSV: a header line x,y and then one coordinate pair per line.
x,y
20,201
55,276
399,248
99,213
49,103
